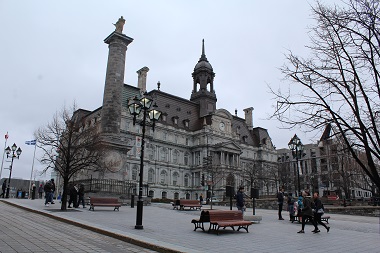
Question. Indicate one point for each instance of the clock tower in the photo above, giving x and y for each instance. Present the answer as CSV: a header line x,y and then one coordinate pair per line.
x,y
203,85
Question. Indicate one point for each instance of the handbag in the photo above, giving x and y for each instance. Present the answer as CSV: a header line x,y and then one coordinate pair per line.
x,y
320,210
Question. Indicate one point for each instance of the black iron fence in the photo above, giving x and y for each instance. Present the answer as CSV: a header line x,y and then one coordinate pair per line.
x,y
109,186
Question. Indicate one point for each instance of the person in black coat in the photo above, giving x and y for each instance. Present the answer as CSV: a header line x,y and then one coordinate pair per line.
x,y
307,212
240,204
4,188
280,202
81,196
318,212
73,192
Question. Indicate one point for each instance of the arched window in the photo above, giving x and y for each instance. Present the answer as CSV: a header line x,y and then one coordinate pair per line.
x,y
134,173
187,180
163,177
151,194
151,176
175,156
164,195
187,195
186,158
175,178
164,154
176,195
151,152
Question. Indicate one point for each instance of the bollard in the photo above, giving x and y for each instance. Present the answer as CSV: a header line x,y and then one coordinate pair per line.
x,y
132,201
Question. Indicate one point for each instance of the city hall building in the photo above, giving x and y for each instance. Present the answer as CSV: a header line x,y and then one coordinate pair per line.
x,y
195,148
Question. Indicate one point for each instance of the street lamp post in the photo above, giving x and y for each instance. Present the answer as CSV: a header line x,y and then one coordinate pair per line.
x,y
8,150
295,145
135,108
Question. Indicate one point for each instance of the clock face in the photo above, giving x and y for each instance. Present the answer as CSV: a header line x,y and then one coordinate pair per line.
x,y
222,126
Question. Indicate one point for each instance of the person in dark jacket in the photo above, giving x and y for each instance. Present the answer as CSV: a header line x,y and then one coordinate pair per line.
x,y
318,212
280,202
73,191
307,212
81,196
48,193
4,188
52,190
40,191
240,203
290,202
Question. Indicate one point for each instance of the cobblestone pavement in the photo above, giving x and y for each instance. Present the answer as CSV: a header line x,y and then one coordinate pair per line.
x,y
24,231
172,230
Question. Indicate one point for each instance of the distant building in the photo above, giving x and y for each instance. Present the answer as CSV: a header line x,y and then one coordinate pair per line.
x,y
324,168
19,185
195,145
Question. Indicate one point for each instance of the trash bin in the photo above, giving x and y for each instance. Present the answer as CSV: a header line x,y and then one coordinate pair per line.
x,y
19,194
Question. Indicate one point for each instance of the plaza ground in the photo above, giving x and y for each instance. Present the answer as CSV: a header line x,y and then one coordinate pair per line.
x,y
171,230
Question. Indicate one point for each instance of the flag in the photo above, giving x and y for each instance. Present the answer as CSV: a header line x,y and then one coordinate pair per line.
x,y
32,142
6,136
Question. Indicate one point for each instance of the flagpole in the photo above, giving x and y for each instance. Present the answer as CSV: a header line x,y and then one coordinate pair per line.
x,y
2,162
31,173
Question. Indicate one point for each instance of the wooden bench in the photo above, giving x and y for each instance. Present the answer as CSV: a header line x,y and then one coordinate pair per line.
x,y
96,201
190,203
324,218
221,219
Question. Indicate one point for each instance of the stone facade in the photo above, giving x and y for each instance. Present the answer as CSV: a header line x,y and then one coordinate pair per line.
x,y
195,147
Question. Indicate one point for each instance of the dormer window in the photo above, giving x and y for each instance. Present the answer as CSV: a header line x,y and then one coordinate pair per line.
x,y
186,123
175,120
164,117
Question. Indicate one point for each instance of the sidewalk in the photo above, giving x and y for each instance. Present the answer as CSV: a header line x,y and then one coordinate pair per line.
x,y
170,230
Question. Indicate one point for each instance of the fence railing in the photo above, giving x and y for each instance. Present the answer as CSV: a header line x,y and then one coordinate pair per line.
x,y
108,186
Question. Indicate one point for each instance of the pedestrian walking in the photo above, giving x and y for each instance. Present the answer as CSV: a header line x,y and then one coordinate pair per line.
x,y
201,199
48,193
81,196
4,188
290,202
40,191
73,191
52,190
307,212
240,202
318,212
280,202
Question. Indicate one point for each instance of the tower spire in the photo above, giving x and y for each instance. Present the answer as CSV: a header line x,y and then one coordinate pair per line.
x,y
203,56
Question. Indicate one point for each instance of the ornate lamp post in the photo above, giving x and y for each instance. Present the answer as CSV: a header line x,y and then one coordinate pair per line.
x,y
295,145
135,108
8,150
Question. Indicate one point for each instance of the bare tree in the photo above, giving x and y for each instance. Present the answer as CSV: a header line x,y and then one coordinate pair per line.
x,y
340,83
251,172
69,147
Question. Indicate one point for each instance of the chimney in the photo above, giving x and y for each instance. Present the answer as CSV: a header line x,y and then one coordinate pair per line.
x,y
141,83
248,117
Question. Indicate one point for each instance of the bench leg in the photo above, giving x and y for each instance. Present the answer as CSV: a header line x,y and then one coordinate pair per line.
x,y
244,227
199,224
92,208
116,208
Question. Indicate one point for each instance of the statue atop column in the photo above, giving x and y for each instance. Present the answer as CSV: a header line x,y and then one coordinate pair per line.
x,y
119,25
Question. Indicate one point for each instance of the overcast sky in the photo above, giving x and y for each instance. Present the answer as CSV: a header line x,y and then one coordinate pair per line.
x,y
52,53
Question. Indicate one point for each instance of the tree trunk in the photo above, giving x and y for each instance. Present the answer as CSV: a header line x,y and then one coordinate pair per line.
x,y
64,195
